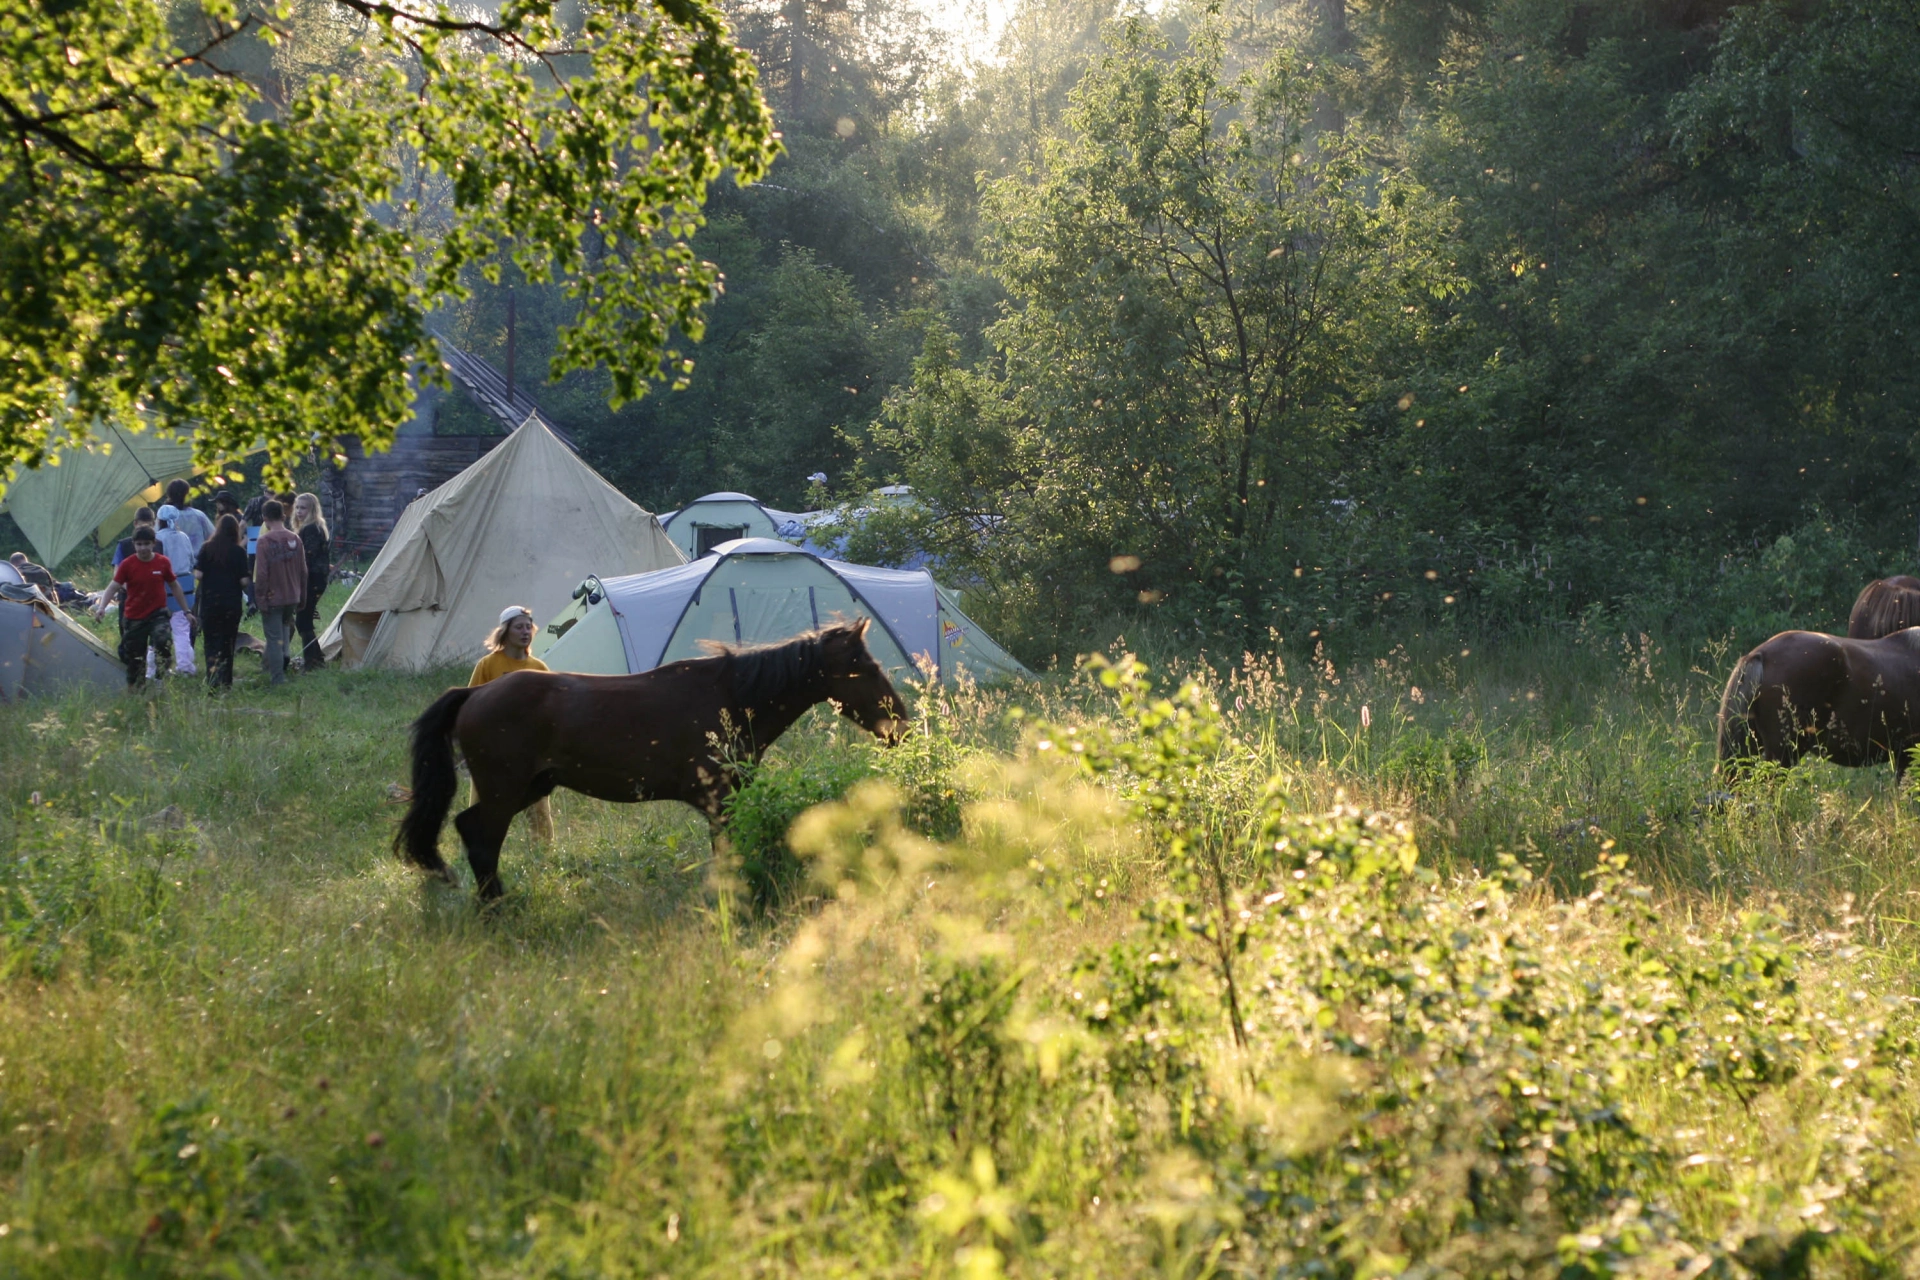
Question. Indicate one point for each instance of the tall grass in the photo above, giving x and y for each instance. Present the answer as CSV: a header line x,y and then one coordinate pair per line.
x,y
237,1037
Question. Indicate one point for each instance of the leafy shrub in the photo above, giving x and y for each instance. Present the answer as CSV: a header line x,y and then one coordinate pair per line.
x,y
1432,764
927,766
1512,1086
761,813
203,1183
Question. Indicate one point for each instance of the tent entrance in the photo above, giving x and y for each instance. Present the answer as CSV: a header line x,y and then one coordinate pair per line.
x,y
708,536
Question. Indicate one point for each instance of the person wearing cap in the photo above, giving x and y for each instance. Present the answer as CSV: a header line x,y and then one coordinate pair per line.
x,y
507,652
181,553
507,647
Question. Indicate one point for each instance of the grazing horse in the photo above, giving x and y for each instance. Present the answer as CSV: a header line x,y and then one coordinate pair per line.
x,y
678,732
1886,606
1857,702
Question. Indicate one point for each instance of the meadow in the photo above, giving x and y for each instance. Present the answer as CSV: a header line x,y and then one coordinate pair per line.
x,y
1453,958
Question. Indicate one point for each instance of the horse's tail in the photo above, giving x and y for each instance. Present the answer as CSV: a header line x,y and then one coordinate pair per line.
x,y
1737,740
434,781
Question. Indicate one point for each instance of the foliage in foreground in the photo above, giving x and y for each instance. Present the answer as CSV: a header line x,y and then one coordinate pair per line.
x,y
1114,1002
1309,1054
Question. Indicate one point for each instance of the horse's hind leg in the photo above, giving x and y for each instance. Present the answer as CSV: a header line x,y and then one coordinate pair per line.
x,y
483,828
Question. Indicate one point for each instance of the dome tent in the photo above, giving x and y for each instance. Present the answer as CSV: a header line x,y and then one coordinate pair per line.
x,y
42,650
708,521
758,591
516,527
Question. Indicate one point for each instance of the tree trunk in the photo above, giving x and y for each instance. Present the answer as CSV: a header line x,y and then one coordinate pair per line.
x,y
797,45
1332,42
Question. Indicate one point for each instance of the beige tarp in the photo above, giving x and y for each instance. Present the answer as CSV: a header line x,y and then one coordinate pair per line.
x,y
521,526
61,502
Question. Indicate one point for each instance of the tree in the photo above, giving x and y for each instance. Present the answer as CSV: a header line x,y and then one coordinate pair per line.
x,y
1197,296
180,244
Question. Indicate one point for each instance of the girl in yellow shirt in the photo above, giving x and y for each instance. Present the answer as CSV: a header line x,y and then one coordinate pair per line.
x,y
507,652
507,647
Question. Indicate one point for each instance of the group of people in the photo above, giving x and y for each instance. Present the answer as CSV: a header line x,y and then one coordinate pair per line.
x,y
275,556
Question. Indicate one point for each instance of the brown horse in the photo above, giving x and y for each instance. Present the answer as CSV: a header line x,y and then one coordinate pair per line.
x,y
1886,606
678,732
1857,702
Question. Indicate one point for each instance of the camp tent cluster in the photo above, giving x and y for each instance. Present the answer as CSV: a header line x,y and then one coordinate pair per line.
x,y
520,526
530,524
760,590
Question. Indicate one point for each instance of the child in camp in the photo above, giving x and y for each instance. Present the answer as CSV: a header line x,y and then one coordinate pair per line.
x,y
506,653
143,579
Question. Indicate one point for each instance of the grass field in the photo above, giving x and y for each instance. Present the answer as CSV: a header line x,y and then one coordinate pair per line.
x,y
238,1038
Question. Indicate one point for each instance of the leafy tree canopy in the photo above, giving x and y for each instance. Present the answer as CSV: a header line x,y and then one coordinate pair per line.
x,y
1200,297
236,220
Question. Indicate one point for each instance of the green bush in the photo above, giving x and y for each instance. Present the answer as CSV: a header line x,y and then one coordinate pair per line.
x,y
1432,764
761,813
1505,1086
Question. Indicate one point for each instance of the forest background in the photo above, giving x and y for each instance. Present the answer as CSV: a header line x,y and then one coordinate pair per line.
x,y
1323,314
1235,319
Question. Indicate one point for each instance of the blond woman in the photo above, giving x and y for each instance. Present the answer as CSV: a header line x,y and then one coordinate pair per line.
x,y
507,652
311,524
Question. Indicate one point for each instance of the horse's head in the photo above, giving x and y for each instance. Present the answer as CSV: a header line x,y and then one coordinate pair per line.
x,y
858,685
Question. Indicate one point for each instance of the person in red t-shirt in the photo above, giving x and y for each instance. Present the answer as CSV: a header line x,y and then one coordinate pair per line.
x,y
143,579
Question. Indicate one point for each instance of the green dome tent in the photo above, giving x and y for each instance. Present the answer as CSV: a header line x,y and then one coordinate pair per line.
x,y
708,521
758,591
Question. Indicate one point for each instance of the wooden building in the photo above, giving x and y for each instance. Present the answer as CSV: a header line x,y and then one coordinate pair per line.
x,y
366,497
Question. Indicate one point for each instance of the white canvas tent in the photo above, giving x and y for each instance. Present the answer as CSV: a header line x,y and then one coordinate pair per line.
x,y
708,521
42,650
78,487
757,591
519,526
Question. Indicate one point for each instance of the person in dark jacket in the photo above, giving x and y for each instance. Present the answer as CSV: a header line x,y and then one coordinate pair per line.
x,y
32,574
142,519
224,583
311,524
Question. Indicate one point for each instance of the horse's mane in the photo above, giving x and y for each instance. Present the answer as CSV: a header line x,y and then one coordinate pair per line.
x,y
760,673
1885,606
